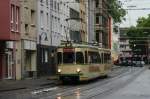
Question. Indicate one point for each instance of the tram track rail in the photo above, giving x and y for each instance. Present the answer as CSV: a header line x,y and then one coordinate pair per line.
x,y
82,88
68,90
116,87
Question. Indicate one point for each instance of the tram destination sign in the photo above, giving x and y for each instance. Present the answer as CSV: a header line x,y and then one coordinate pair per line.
x,y
68,50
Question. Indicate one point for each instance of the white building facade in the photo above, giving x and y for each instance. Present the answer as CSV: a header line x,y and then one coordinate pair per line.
x,y
91,22
60,27
44,38
52,29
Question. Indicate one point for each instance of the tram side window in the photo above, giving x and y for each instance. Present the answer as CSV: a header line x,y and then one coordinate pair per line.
x,y
86,57
102,56
94,57
97,57
79,58
109,58
68,57
59,57
105,58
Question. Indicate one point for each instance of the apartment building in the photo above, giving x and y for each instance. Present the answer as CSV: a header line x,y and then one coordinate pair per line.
x,y
27,45
43,37
52,29
84,21
78,20
124,46
9,36
91,21
99,23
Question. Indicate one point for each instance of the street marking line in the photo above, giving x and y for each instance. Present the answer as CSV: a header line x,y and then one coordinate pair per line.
x,y
43,90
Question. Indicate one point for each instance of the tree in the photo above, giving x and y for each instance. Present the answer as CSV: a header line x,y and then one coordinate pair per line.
x,y
138,35
116,10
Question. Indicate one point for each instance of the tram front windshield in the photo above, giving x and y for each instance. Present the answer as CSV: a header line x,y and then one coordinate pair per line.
x,y
68,57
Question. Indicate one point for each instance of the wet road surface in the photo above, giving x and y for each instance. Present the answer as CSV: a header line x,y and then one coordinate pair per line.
x,y
98,89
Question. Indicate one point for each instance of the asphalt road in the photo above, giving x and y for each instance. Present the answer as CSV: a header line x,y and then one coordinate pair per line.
x,y
98,89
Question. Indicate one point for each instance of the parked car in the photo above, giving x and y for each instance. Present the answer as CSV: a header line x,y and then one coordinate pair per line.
x,y
139,64
143,63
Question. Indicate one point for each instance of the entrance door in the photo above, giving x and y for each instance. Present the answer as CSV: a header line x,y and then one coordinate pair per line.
x,y
9,66
1,65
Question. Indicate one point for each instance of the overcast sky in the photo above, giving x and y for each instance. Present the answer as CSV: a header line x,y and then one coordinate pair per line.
x,y
133,15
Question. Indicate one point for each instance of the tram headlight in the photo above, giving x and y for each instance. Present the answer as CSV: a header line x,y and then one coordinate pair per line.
x,y
78,70
59,70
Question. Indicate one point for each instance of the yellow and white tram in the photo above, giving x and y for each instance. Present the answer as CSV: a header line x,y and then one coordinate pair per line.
x,y
82,62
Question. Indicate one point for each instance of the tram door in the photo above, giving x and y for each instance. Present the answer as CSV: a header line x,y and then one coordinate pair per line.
x,y
9,66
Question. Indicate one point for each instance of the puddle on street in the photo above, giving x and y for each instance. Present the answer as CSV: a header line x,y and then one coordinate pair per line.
x,y
75,95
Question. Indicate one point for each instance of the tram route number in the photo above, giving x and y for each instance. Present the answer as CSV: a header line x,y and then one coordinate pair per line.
x,y
94,69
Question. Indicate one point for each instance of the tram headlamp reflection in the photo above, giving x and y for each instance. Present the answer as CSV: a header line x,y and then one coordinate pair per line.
x,y
78,70
59,70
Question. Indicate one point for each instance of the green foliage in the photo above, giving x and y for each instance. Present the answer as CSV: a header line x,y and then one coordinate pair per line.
x,y
138,36
116,10
115,47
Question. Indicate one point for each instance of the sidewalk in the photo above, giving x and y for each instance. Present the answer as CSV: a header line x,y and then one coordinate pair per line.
x,y
10,85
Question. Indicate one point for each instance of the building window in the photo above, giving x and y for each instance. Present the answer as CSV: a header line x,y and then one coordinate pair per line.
x,y
46,56
47,21
58,6
51,4
55,5
42,19
97,18
17,19
100,20
12,17
77,1
97,3
32,17
52,22
41,1
26,28
47,3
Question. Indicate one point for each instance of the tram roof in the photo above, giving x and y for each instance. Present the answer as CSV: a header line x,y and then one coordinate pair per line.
x,y
77,45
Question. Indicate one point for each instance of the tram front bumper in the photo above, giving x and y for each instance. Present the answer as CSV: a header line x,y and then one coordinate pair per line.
x,y
69,77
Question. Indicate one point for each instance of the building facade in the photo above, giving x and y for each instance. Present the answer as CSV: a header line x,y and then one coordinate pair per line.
x,y
99,23
43,37
78,20
74,20
91,22
60,26
33,30
115,42
9,36
52,29
124,46
27,44
84,21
